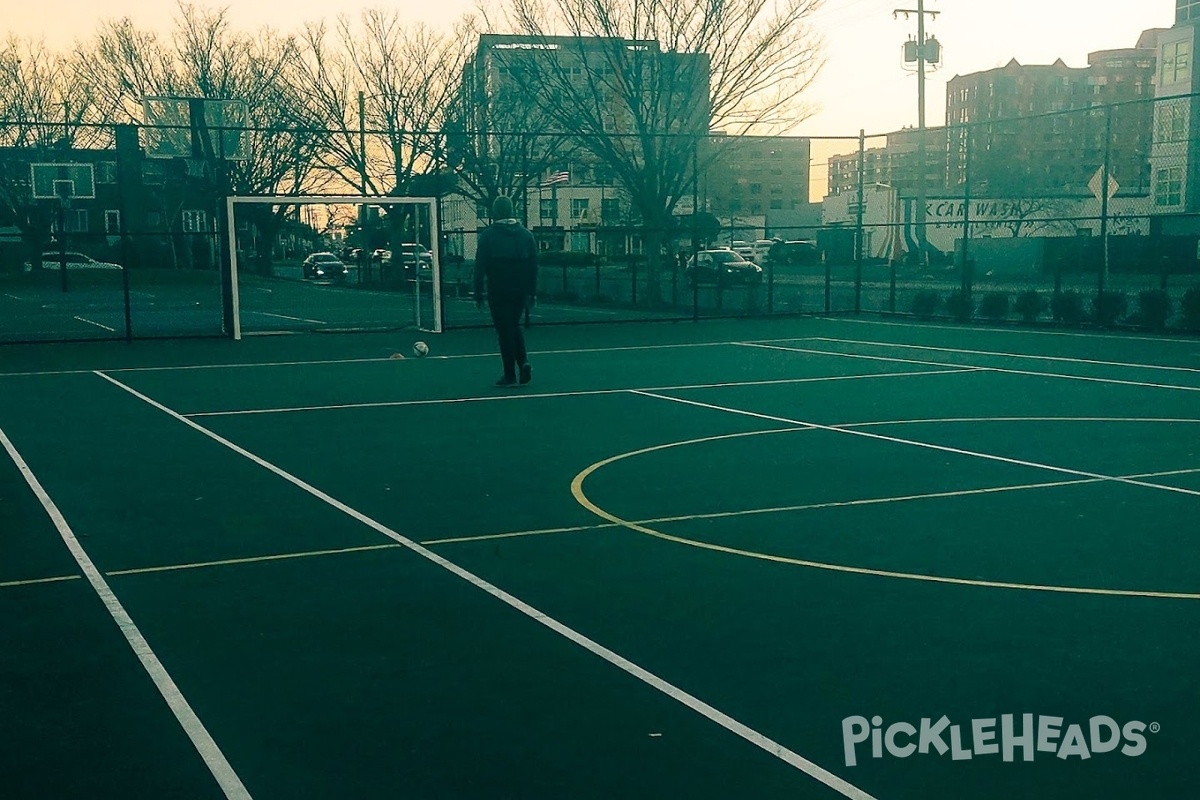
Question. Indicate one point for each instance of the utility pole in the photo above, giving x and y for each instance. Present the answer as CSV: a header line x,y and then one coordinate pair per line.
x,y
923,51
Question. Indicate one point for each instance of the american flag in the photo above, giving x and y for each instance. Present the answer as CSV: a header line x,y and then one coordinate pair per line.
x,y
557,177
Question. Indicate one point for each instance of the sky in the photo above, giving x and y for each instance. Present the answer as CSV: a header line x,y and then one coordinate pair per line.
x,y
863,85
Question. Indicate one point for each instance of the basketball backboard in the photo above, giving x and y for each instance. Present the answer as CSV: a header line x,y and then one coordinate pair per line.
x,y
193,127
62,181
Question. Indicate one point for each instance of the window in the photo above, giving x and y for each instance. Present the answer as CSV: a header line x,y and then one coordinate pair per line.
x,y
581,241
1168,186
106,172
776,204
579,207
75,220
1176,62
1186,10
112,222
481,210
1172,123
546,209
194,221
610,209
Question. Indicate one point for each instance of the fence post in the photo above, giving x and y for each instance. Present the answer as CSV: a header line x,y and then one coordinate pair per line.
x,y
858,231
770,287
964,312
828,278
892,285
1101,310
633,278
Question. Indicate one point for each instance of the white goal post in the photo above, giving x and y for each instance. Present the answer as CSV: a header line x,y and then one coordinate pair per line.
x,y
433,325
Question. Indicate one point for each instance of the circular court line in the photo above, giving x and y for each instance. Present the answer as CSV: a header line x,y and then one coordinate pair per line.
x,y
581,498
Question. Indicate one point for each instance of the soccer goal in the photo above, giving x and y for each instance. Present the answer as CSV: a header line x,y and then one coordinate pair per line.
x,y
333,263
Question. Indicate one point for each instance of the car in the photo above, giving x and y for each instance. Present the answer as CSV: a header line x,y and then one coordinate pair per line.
x,y
326,266
743,249
416,254
722,267
760,248
52,259
798,251
381,255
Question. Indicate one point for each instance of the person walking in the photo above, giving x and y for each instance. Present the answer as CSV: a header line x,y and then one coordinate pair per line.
x,y
506,258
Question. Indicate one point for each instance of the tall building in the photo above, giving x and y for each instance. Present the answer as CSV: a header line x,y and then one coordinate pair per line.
x,y
753,175
1174,163
894,164
566,118
1031,131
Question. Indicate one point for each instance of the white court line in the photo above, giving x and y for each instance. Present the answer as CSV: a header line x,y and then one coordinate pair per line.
x,y
978,367
97,324
285,316
217,764
322,362
675,693
14,297
581,393
996,354
1165,339
925,445
488,537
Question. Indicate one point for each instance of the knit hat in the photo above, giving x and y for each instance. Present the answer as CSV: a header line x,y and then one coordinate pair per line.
x,y
502,208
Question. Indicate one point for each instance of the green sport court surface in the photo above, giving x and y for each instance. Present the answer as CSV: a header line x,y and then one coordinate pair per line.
x,y
688,561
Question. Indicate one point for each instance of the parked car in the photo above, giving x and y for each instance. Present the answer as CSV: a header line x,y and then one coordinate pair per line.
x,y
743,249
416,254
722,267
760,248
325,266
52,259
799,251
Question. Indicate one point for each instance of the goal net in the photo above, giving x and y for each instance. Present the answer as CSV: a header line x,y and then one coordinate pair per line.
x,y
333,263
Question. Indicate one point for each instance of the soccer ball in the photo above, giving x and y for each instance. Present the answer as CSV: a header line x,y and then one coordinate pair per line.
x,y
420,349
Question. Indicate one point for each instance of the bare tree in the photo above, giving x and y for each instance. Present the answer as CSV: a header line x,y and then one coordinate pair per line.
x,y
382,90
205,58
641,82
40,114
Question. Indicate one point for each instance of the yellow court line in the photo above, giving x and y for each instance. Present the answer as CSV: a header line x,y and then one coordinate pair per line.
x,y
615,523
583,500
227,562
35,581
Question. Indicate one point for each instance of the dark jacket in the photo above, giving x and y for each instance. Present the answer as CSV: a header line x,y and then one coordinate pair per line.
x,y
507,257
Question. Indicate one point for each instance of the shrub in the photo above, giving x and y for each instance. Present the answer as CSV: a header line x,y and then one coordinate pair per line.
x,y
1108,307
1153,308
1191,308
925,303
1030,304
960,305
994,306
1067,307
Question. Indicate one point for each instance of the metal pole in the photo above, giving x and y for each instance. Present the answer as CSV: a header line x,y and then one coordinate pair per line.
x,y
362,144
965,288
1100,302
858,232
920,220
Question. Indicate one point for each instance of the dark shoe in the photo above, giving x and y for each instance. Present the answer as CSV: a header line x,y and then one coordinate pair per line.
x,y
526,373
506,382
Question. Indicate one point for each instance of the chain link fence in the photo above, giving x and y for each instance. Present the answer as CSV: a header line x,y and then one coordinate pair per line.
x,y
1087,217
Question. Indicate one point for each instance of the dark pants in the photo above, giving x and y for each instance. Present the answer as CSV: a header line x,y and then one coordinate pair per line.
x,y
506,317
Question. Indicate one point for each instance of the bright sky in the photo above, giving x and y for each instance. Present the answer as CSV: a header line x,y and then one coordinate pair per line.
x,y
863,85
